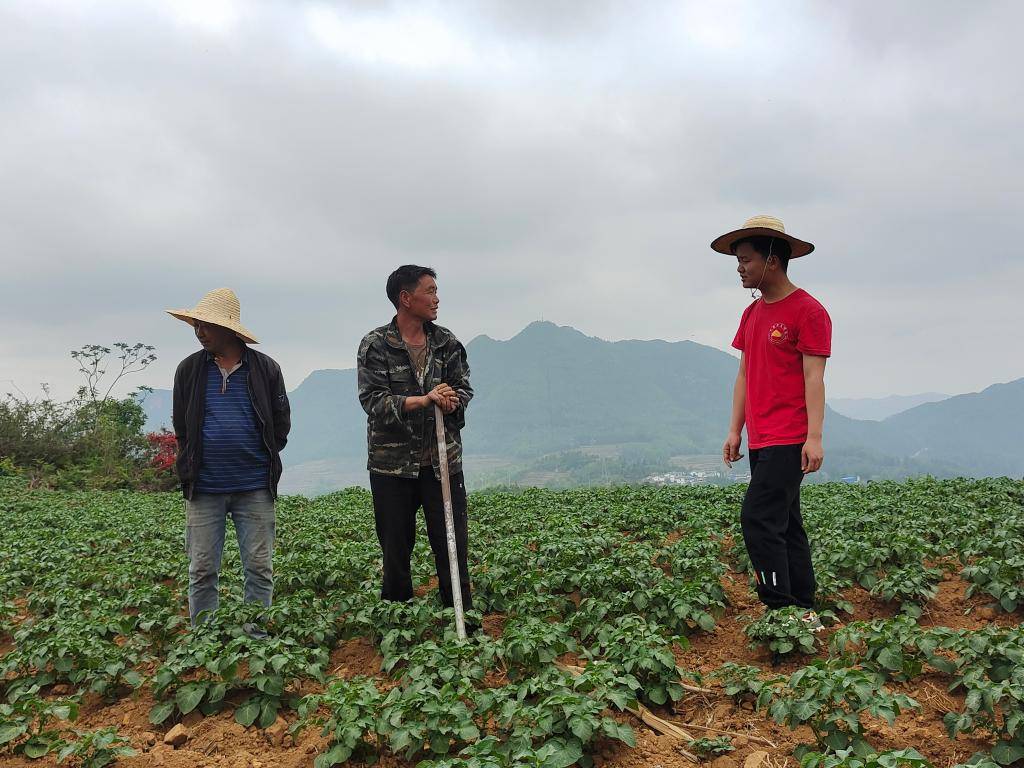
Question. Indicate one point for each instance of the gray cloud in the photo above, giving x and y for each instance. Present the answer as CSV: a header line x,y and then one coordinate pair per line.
x,y
564,160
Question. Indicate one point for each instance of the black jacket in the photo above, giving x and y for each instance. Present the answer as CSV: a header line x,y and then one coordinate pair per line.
x,y
269,400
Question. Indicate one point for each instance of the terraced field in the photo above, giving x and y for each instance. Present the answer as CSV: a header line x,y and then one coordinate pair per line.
x,y
621,630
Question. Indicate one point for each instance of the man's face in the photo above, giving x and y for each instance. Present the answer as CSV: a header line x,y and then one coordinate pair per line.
x,y
751,265
214,338
422,301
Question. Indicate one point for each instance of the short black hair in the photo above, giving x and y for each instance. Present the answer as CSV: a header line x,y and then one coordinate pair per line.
x,y
764,245
406,278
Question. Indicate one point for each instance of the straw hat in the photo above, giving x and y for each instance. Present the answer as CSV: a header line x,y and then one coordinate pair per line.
x,y
756,226
219,307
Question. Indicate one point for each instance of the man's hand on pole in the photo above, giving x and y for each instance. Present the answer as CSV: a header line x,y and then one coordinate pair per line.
x,y
446,398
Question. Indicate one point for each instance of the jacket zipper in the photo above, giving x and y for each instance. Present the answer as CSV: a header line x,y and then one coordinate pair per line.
x,y
263,432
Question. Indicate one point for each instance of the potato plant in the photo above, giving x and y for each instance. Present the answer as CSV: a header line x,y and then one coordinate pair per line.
x,y
589,593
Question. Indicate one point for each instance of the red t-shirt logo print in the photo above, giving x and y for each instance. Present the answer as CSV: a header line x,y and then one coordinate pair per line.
x,y
778,333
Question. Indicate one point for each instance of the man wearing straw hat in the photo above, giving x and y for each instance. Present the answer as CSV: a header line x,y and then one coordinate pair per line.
x,y
784,338
404,369
231,419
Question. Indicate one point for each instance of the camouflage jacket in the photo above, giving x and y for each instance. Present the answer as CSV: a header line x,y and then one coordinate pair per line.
x,y
394,438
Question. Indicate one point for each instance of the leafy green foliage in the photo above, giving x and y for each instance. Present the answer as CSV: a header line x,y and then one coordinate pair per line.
x,y
529,643
711,746
216,657
448,659
563,710
50,650
783,630
490,752
96,749
847,758
831,587
27,721
639,648
1001,577
889,646
419,717
352,707
912,585
831,701
989,668
92,599
746,683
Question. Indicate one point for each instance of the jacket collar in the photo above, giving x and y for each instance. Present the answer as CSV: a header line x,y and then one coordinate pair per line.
x,y
207,356
436,335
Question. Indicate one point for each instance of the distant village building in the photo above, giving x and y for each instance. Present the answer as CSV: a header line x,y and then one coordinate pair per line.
x,y
697,477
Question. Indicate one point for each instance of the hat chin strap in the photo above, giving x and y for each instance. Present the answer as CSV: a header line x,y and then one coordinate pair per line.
x,y
753,293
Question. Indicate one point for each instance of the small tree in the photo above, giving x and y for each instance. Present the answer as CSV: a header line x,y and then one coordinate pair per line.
x,y
92,362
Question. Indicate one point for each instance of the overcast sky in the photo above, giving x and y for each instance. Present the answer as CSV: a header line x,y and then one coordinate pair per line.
x,y
561,160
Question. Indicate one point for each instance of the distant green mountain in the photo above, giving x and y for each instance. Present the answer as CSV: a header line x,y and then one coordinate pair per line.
x,y
979,432
878,408
552,388
550,397
327,420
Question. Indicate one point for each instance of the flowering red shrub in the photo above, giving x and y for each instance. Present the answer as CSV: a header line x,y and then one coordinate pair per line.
x,y
164,448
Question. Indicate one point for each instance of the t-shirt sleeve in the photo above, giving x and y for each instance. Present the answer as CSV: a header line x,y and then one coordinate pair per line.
x,y
737,341
815,335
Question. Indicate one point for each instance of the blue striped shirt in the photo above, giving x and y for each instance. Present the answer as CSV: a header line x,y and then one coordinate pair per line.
x,y
234,457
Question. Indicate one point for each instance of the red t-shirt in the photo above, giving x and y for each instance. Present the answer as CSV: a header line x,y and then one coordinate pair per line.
x,y
774,338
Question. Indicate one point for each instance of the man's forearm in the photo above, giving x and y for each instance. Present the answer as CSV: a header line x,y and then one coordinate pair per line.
x,y
814,394
415,402
739,405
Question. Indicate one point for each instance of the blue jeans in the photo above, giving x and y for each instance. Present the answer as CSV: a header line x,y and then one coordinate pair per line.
x,y
205,522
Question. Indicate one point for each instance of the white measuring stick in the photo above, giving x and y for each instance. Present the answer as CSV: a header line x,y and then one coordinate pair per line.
x,y
449,523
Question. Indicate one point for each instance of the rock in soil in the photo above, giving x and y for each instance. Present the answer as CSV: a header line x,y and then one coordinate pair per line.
x,y
177,736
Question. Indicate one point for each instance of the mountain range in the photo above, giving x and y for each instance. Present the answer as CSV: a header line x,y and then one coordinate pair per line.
x,y
552,398
879,408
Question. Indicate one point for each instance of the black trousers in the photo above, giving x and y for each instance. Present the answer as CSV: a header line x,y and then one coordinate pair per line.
x,y
773,530
395,503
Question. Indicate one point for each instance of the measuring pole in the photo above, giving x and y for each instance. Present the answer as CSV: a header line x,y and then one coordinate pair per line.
x,y
449,523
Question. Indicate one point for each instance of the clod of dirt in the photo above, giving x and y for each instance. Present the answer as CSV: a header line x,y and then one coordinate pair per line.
x,y
755,759
177,736
276,732
724,762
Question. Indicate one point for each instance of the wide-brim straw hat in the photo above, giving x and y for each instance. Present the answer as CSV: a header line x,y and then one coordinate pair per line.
x,y
767,226
219,307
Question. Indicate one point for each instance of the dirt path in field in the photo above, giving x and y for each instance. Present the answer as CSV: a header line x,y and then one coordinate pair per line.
x,y
758,742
